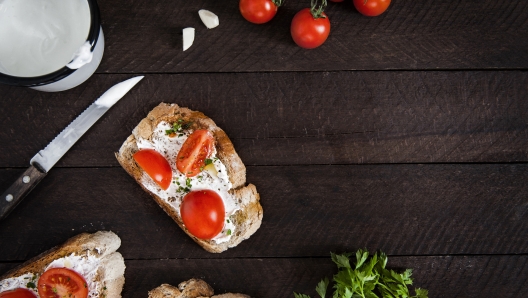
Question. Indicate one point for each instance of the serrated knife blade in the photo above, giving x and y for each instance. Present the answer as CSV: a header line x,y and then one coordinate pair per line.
x,y
46,158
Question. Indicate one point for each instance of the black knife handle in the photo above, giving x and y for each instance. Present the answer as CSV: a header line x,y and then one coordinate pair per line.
x,y
18,190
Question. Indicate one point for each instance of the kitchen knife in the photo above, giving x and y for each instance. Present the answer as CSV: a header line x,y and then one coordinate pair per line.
x,y
43,161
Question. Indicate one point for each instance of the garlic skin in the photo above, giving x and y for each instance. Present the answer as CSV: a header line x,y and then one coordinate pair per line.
x,y
188,37
209,19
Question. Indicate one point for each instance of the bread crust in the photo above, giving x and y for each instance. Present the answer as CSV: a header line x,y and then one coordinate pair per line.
x,y
102,244
247,220
193,288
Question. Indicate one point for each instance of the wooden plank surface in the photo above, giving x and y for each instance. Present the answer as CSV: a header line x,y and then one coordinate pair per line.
x,y
296,118
444,276
308,211
145,36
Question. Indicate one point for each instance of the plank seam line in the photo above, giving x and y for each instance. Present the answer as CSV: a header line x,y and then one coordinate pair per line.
x,y
490,69
313,164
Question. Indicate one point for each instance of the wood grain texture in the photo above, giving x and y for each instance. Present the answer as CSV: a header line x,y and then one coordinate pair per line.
x,y
145,36
308,211
444,276
295,118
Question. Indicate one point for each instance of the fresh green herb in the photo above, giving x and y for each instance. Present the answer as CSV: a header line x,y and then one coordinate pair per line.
x,y
367,278
187,187
31,285
178,127
227,220
208,161
104,288
228,232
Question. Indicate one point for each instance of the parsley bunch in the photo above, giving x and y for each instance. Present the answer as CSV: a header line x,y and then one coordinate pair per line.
x,y
367,278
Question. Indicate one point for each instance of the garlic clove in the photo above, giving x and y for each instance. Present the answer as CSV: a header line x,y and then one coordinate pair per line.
x,y
188,37
209,19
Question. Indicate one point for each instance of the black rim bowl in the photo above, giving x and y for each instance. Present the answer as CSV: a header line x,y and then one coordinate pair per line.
x,y
60,74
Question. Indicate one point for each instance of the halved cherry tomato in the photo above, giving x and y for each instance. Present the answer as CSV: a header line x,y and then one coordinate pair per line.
x,y
18,293
259,11
156,166
62,282
371,8
193,153
203,213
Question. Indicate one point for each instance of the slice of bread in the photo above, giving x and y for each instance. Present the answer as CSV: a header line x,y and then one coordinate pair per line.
x,y
246,220
102,245
193,288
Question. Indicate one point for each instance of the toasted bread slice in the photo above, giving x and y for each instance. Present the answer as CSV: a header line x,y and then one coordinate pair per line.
x,y
193,288
246,220
101,245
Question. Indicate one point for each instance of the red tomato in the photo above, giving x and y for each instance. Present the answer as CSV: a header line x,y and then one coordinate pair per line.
x,y
371,8
62,282
309,32
156,166
258,11
203,213
193,153
18,293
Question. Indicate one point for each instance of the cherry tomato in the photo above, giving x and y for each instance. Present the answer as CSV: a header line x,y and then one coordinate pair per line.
x,y
309,32
193,153
156,166
371,8
259,11
203,213
62,282
18,293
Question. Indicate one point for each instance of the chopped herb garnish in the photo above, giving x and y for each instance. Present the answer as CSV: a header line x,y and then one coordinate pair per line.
x,y
31,285
227,220
178,127
54,290
208,161
228,232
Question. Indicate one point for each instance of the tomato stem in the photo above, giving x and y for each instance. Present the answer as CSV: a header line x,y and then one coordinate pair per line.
x,y
317,10
278,2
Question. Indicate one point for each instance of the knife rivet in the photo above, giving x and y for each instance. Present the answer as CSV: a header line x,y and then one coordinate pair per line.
x,y
26,179
9,197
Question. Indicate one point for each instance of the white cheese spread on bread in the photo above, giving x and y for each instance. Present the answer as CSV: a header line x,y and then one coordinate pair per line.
x,y
169,146
86,266
20,282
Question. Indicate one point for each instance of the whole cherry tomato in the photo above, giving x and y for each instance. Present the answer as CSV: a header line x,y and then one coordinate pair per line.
x,y
62,282
18,293
193,153
203,213
259,11
156,166
371,8
310,27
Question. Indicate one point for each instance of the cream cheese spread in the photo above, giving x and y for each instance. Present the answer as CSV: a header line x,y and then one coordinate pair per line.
x,y
86,266
39,37
20,282
169,146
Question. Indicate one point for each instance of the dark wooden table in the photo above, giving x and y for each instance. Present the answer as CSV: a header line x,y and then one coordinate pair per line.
x,y
407,132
